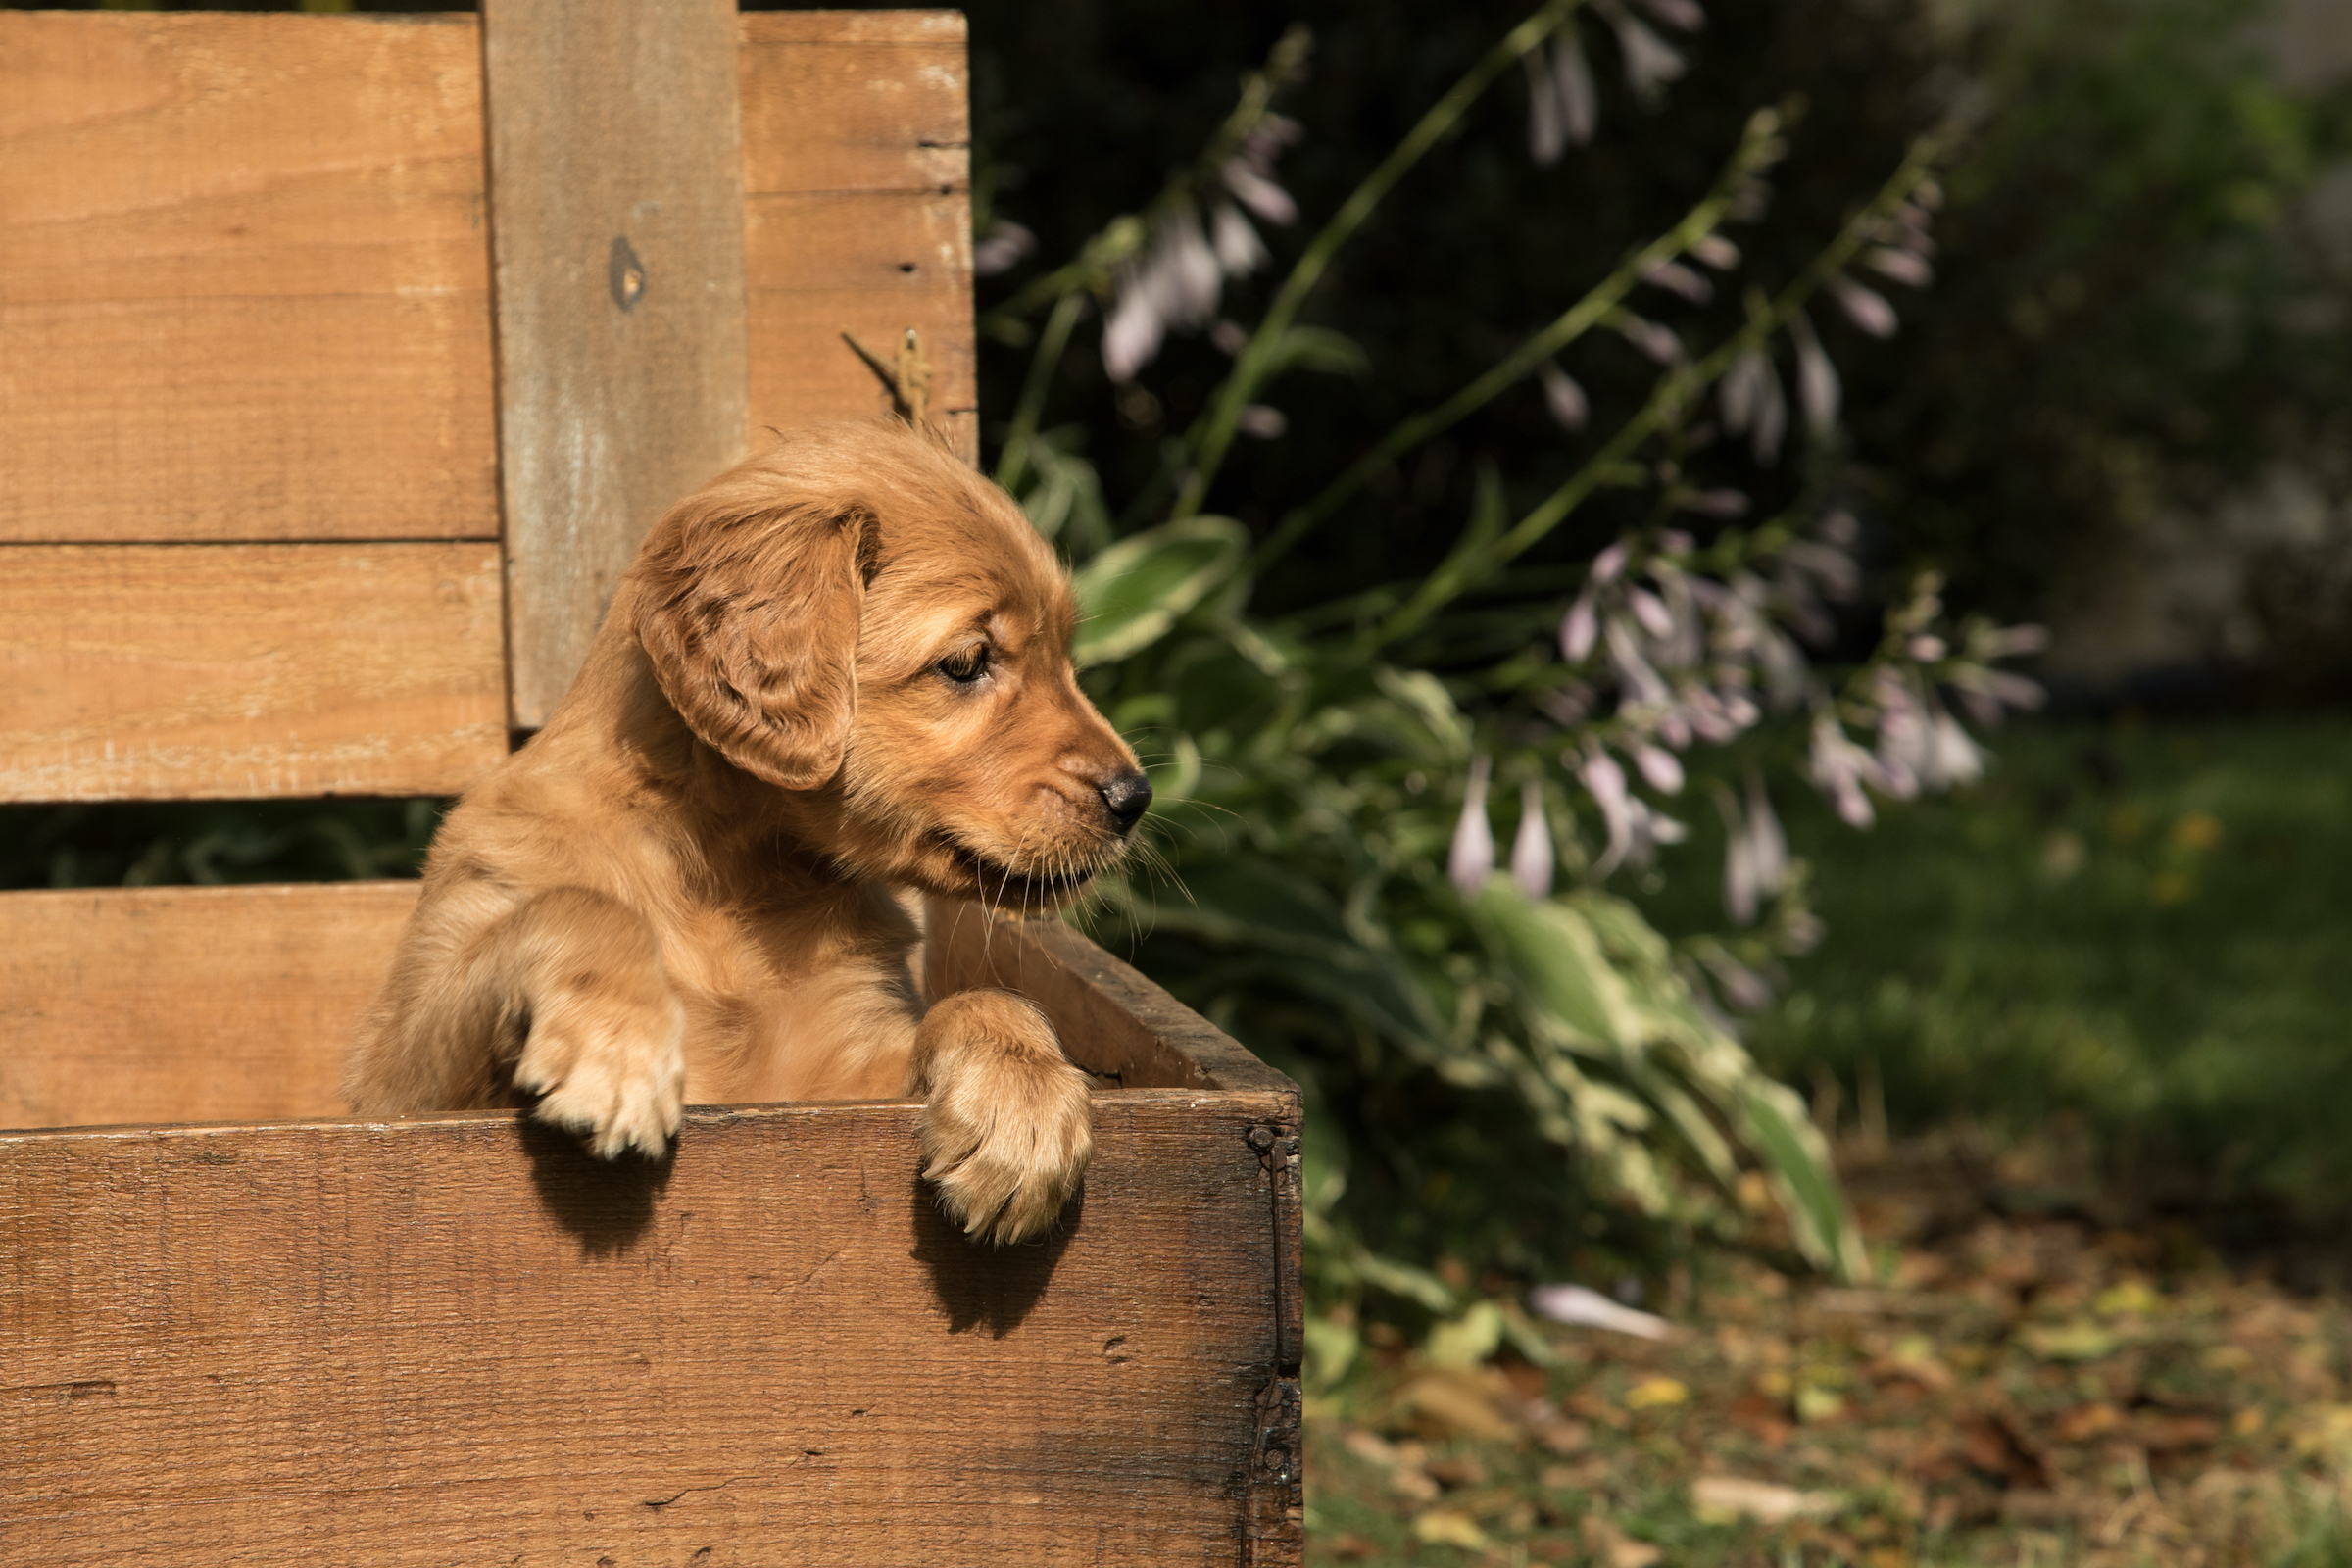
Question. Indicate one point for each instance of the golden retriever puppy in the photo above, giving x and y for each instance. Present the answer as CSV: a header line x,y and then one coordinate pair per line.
x,y
838,675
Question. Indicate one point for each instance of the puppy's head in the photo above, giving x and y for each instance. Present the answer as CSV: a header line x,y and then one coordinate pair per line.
x,y
858,618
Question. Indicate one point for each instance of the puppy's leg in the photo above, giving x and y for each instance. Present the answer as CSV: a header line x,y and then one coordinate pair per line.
x,y
1008,1129
562,994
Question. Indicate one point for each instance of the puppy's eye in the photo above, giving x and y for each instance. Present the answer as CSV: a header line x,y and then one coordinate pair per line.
x,y
965,666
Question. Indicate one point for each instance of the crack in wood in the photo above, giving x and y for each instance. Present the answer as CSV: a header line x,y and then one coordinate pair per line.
x,y
715,1486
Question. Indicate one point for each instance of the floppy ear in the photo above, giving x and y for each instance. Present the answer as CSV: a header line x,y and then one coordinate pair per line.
x,y
750,622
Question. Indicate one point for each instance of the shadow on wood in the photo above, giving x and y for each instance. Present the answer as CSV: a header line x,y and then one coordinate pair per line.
x,y
607,1205
977,1282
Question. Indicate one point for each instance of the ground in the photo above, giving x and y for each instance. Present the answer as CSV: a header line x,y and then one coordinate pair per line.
x,y
2025,1385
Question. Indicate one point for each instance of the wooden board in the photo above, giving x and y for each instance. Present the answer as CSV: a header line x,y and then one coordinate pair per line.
x,y
857,206
458,1339
617,232
218,331
244,291
173,1005
233,672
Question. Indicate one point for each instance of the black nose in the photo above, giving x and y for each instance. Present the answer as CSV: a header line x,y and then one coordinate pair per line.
x,y
1125,798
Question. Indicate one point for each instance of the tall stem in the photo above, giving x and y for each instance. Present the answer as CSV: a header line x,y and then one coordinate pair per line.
x,y
1013,465
1673,392
1216,436
1572,323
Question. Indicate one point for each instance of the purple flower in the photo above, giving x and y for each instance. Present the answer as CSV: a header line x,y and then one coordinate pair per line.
x,y
1001,248
1239,250
1471,859
1262,421
1865,308
1579,629
1677,278
1683,14
1650,61
1572,81
1717,252
1563,397
1252,184
1817,387
1547,130
1532,857
1902,265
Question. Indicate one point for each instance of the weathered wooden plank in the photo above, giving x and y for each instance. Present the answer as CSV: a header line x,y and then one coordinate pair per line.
x,y
458,1339
856,198
617,234
175,1005
244,292
1119,1025
235,672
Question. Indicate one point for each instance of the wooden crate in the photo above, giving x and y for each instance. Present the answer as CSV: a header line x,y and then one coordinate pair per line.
x,y
283,316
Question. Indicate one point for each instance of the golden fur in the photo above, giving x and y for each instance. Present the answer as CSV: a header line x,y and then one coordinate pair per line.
x,y
838,675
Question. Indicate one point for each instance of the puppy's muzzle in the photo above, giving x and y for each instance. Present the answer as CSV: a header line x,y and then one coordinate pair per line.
x,y
1125,797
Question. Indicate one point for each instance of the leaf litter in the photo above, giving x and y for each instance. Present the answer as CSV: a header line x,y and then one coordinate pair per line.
x,y
2021,1385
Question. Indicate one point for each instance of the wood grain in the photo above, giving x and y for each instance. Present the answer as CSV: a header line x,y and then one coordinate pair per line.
x,y
1119,1025
173,1005
244,291
617,232
236,671
457,1339
857,207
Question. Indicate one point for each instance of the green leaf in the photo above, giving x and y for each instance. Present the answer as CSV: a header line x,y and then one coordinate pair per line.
x,y
1132,593
1797,1163
1316,348
1557,957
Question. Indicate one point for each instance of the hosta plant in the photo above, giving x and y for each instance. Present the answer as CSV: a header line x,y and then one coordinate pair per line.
x,y
1395,829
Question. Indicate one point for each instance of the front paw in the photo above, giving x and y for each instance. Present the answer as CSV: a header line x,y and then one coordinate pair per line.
x,y
1008,1127
610,1067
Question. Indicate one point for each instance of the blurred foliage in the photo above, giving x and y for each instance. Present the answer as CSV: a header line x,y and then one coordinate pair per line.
x,y
212,842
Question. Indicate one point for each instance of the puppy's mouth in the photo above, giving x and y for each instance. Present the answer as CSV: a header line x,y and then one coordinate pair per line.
x,y
997,882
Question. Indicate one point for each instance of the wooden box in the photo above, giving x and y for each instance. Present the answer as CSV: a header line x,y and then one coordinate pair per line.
x,y
460,1339
341,359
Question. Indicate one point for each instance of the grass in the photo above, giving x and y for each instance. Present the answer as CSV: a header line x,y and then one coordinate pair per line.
x,y
2143,933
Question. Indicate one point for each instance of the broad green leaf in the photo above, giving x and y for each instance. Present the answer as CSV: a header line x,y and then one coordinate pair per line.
x,y
1557,957
1468,1339
1131,594
1797,1163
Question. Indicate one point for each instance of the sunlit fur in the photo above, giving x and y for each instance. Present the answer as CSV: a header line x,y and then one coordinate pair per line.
x,y
695,884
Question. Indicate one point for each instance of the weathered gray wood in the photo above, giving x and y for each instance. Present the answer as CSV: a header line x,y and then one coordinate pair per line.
x,y
458,1339
617,246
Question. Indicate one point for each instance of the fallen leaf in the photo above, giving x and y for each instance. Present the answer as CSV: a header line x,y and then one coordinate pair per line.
x,y
2170,1434
1815,1403
2078,1341
2086,1421
2131,1299
1993,1445
1720,1499
1615,1547
1456,1402
1655,1392
1448,1527
1464,1471
1914,1360
1348,1546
